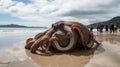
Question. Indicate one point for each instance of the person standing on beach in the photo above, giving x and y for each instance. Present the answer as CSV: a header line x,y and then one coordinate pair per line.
x,y
91,27
106,27
101,27
115,27
119,27
98,27
112,28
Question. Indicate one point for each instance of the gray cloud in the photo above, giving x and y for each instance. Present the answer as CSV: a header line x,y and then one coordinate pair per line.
x,y
84,13
49,11
106,11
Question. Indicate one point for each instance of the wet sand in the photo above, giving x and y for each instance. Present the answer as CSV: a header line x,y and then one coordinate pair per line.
x,y
76,58
15,56
107,55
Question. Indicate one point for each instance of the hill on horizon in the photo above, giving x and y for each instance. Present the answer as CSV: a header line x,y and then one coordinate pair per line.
x,y
18,26
115,20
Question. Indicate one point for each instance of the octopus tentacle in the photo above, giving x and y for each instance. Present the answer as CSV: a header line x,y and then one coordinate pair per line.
x,y
28,40
42,43
42,40
40,34
36,45
50,42
93,40
78,28
29,43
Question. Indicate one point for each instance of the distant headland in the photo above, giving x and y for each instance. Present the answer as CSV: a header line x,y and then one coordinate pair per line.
x,y
18,26
114,20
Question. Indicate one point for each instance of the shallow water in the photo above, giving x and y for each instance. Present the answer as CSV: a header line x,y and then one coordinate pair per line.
x,y
12,42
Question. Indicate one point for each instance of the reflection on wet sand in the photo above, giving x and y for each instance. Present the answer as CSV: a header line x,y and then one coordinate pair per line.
x,y
76,58
113,38
110,57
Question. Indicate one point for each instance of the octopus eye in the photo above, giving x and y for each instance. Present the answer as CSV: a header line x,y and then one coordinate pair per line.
x,y
54,26
61,24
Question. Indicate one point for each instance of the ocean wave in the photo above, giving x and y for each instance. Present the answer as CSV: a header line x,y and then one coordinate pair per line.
x,y
4,33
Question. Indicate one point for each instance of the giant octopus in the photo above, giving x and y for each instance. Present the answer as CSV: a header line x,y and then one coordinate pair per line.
x,y
62,36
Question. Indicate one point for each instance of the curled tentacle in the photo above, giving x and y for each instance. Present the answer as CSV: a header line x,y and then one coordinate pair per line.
x,y
28,40
50,42
42,40
29,43
91,39
71,40
42,43
78,28
28,46
38,43
95,41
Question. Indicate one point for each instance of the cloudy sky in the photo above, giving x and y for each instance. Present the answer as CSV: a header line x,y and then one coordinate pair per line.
x,y
46,12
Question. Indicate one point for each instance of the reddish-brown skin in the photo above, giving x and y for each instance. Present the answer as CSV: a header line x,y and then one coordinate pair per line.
x,y
42,40
30,41
85,36
45,39
38,41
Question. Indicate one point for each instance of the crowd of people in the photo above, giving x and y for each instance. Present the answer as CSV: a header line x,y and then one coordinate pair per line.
x,y
108,27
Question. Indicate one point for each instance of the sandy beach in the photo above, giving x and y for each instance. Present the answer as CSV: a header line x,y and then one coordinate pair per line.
x,y
107,55
64,25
